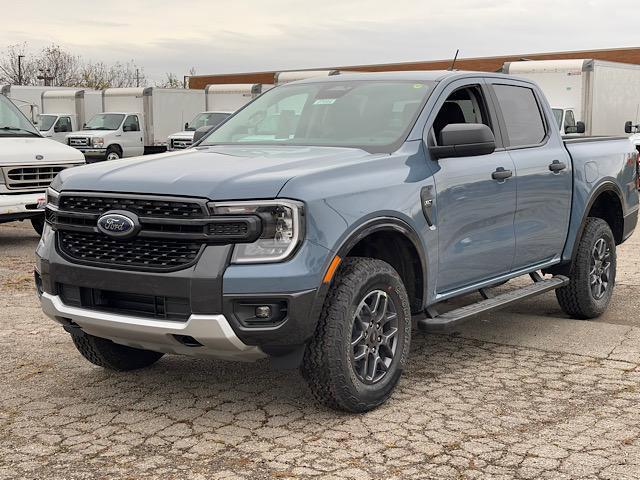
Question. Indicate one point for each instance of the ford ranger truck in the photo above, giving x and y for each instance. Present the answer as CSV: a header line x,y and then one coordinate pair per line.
x,y
316,222
28,163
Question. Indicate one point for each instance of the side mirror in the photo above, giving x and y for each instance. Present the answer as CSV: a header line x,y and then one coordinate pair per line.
x,y
580,127
57,129
628,127
464,140
186,125
200,133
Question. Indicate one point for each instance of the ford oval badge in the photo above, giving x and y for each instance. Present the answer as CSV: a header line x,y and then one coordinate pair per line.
x,y
117,224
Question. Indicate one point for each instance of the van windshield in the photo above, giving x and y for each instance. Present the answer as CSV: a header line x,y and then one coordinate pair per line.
x,y
105,121
46,122
208,119
13,122
370,114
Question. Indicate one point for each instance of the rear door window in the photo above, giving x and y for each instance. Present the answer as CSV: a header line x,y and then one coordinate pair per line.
x,y
522,115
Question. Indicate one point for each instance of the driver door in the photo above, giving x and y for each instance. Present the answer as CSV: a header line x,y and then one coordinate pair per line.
x,y
132,138
474,211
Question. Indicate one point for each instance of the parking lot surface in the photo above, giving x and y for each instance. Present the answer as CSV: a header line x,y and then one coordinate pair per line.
x,y
522,393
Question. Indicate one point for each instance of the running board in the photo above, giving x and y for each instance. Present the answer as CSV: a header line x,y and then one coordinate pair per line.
x,y
434,323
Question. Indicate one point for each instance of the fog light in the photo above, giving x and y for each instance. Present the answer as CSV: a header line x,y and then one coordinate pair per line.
x,y
263,311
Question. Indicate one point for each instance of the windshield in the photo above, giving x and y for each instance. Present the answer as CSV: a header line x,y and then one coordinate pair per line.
x,y
13,122
46,122
557,113
208,119
105,121
368,114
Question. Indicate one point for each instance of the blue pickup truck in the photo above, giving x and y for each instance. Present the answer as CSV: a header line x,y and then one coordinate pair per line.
x,y
323,219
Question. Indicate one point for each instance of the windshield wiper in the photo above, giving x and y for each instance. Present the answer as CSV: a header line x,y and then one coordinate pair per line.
x,y
16,129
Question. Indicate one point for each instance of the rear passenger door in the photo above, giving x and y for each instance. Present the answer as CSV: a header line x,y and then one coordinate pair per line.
x,y
543,173
474,211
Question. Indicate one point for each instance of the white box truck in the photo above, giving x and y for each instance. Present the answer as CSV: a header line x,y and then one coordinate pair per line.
x,y
221,100
65,111
28,164
603,95
136,121
28,98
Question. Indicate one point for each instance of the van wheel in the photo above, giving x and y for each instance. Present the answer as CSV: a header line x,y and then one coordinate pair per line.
x,y
38,224
593,273
361,343
112,356
113,153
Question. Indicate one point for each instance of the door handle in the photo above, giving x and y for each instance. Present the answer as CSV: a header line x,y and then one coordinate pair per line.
x,y
556,166
501,174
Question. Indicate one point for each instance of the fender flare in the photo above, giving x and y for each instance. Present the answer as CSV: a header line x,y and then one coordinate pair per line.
x,y
606,186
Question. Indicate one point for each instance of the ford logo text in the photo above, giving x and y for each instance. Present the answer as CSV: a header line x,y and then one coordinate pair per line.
x,y
116,224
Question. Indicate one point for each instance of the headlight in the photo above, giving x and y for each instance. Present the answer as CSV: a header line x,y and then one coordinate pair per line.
x,y
98,142
52,197
282,229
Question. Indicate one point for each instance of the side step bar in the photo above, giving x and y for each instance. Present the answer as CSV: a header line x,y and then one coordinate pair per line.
x,y
434,323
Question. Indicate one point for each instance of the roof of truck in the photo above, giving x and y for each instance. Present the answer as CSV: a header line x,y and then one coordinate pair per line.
x,y
410,75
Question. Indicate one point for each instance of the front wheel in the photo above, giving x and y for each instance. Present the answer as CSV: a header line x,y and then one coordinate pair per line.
x,y
112,356
593,273
361,343
113,154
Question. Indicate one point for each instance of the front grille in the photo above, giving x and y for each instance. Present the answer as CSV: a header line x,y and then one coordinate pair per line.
x,y
152,306
37,177
179,143
139,206
138,253
78,141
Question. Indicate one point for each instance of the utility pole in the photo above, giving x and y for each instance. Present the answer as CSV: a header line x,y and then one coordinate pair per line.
x,y
137,77
46,76
185,81
20,57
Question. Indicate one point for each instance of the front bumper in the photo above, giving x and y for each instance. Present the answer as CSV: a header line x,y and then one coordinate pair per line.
x,y
14,207
92,152
213,332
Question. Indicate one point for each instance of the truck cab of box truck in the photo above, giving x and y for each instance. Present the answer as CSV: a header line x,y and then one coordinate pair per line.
x,y
28,164
221,101
136,121
66,111
565,117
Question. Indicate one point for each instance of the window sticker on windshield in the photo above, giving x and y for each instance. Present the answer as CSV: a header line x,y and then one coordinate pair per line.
x,y
324,101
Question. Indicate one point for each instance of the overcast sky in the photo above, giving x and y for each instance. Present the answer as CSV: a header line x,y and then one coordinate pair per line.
x,y
221,36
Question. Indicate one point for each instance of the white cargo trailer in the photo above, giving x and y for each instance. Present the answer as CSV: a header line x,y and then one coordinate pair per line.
x,y
601,94
136,121
65,111
286,77
221,101
28,98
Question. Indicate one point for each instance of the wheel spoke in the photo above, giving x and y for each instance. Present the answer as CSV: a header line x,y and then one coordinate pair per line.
x,y
360,355
389,317
358,340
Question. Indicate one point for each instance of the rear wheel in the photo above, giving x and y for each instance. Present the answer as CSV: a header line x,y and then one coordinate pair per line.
x,y
593,273
361,344
106,354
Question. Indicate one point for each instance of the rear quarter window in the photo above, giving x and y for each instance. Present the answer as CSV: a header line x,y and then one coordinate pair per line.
x,y
522,116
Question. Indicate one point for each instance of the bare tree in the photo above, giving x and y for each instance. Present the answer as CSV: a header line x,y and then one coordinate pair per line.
x,y
172,80
18,66
60,67
99,75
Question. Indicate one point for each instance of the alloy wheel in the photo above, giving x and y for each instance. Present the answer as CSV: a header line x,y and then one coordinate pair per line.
x,y
600,268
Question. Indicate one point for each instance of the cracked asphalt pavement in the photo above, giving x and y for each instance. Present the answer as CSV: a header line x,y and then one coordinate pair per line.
x,y
523,393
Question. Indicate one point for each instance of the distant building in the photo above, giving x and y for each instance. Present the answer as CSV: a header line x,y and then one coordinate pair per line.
x,y
485,64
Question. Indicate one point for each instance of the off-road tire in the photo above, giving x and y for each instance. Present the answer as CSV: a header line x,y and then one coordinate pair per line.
x,y
327,365
38,224
109,355
577,298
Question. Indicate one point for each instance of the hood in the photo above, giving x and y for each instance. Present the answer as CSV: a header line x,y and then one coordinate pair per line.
x,y
183,134
217,173
27,150
90,133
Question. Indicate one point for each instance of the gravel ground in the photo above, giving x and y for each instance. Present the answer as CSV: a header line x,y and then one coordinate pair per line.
x,y
521,393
